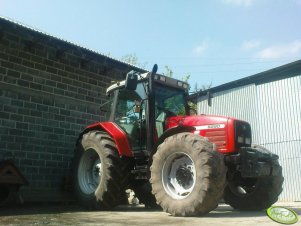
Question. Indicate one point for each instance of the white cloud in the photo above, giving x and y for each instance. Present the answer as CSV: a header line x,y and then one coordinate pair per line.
x,y
250,45
292,49
200,49
239,2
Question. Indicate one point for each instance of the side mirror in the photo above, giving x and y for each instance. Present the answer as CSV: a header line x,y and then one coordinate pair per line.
x,y
131,80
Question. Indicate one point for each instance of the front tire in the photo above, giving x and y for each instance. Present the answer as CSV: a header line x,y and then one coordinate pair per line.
x,y
253,193
100,176
187,175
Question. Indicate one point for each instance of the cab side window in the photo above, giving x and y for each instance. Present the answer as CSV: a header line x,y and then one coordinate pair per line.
x,y
130,115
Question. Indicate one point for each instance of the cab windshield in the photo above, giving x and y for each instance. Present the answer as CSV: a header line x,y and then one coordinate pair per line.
x,y
169,100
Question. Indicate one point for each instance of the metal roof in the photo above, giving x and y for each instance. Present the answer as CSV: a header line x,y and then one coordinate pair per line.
x,y
278,73
6,20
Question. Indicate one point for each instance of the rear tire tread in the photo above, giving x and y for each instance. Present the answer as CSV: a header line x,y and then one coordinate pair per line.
x,y
115,174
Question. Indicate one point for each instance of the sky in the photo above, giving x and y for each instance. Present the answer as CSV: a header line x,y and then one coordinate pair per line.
x,y
213,41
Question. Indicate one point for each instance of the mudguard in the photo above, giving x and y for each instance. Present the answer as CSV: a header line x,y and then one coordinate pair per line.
x,y
172,131
116,133
168,133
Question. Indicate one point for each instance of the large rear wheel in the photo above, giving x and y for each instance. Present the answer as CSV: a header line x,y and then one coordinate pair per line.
x,y
100,176
187,175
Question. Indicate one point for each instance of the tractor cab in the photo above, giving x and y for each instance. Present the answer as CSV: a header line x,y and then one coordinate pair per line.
x,y
137,106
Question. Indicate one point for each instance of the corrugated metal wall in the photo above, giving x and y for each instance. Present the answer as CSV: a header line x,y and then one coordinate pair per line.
x,y
274,111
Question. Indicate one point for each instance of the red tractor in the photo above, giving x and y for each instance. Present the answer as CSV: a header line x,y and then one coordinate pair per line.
x,y
185,164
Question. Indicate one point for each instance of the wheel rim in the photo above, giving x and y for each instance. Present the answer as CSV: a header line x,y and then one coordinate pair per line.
x,y
178,175
89,172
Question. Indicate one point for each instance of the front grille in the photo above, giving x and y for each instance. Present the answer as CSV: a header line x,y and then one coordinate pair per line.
x,y
243,135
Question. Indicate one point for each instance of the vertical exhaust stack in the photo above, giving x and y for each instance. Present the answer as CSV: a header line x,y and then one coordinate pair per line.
x,y
151,110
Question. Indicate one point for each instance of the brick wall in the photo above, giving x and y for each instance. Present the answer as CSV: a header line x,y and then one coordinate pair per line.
x,y
49,91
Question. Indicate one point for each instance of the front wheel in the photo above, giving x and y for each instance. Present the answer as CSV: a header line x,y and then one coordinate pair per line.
x,y
100,176
187,175
253,193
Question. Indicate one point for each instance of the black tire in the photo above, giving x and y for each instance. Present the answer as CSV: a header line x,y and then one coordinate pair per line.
x,y
143,191
253,193
96,154
187,175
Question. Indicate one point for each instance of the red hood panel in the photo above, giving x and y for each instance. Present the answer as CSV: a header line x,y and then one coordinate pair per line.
x,y
198,120
217,129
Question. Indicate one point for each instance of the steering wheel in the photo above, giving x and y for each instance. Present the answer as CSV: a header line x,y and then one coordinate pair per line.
x,y
166,111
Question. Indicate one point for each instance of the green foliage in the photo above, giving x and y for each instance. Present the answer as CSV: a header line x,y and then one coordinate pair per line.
x,y
175,104
186,78
168,71
133,59
193,105
130,58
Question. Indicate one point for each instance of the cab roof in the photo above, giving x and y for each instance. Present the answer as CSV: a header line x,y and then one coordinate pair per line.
x,y
162,79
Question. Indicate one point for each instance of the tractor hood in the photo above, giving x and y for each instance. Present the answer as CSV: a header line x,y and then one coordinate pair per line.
x,y
199,121
217,129
228,134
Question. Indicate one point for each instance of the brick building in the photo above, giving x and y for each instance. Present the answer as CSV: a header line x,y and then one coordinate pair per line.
x,y
50,89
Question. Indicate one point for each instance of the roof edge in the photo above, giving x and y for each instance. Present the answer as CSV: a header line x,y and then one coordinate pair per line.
x,y
75,45
273,74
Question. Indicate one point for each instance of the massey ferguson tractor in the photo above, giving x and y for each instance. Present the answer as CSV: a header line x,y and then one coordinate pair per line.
x,y
182,163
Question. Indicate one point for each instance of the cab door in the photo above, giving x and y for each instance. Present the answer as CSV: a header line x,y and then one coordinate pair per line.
x,y
130,116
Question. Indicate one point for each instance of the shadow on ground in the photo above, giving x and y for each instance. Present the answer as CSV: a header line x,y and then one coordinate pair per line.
x,y
57,214
32,208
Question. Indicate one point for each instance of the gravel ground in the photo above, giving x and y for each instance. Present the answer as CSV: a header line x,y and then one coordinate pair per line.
x,y
43,214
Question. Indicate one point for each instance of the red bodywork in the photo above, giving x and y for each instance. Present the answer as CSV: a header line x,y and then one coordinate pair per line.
x,y
118,135
217,129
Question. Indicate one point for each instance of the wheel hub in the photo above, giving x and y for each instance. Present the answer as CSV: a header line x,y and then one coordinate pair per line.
x,y
184,176
178,175
96,171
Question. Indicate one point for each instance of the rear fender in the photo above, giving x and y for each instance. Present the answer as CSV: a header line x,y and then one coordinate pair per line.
x,y
116,133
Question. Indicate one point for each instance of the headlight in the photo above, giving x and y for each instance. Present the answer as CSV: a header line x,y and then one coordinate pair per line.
x,y
248,141
240,139
243,135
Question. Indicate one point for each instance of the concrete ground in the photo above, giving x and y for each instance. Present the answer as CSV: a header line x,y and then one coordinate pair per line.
x,y
132,215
